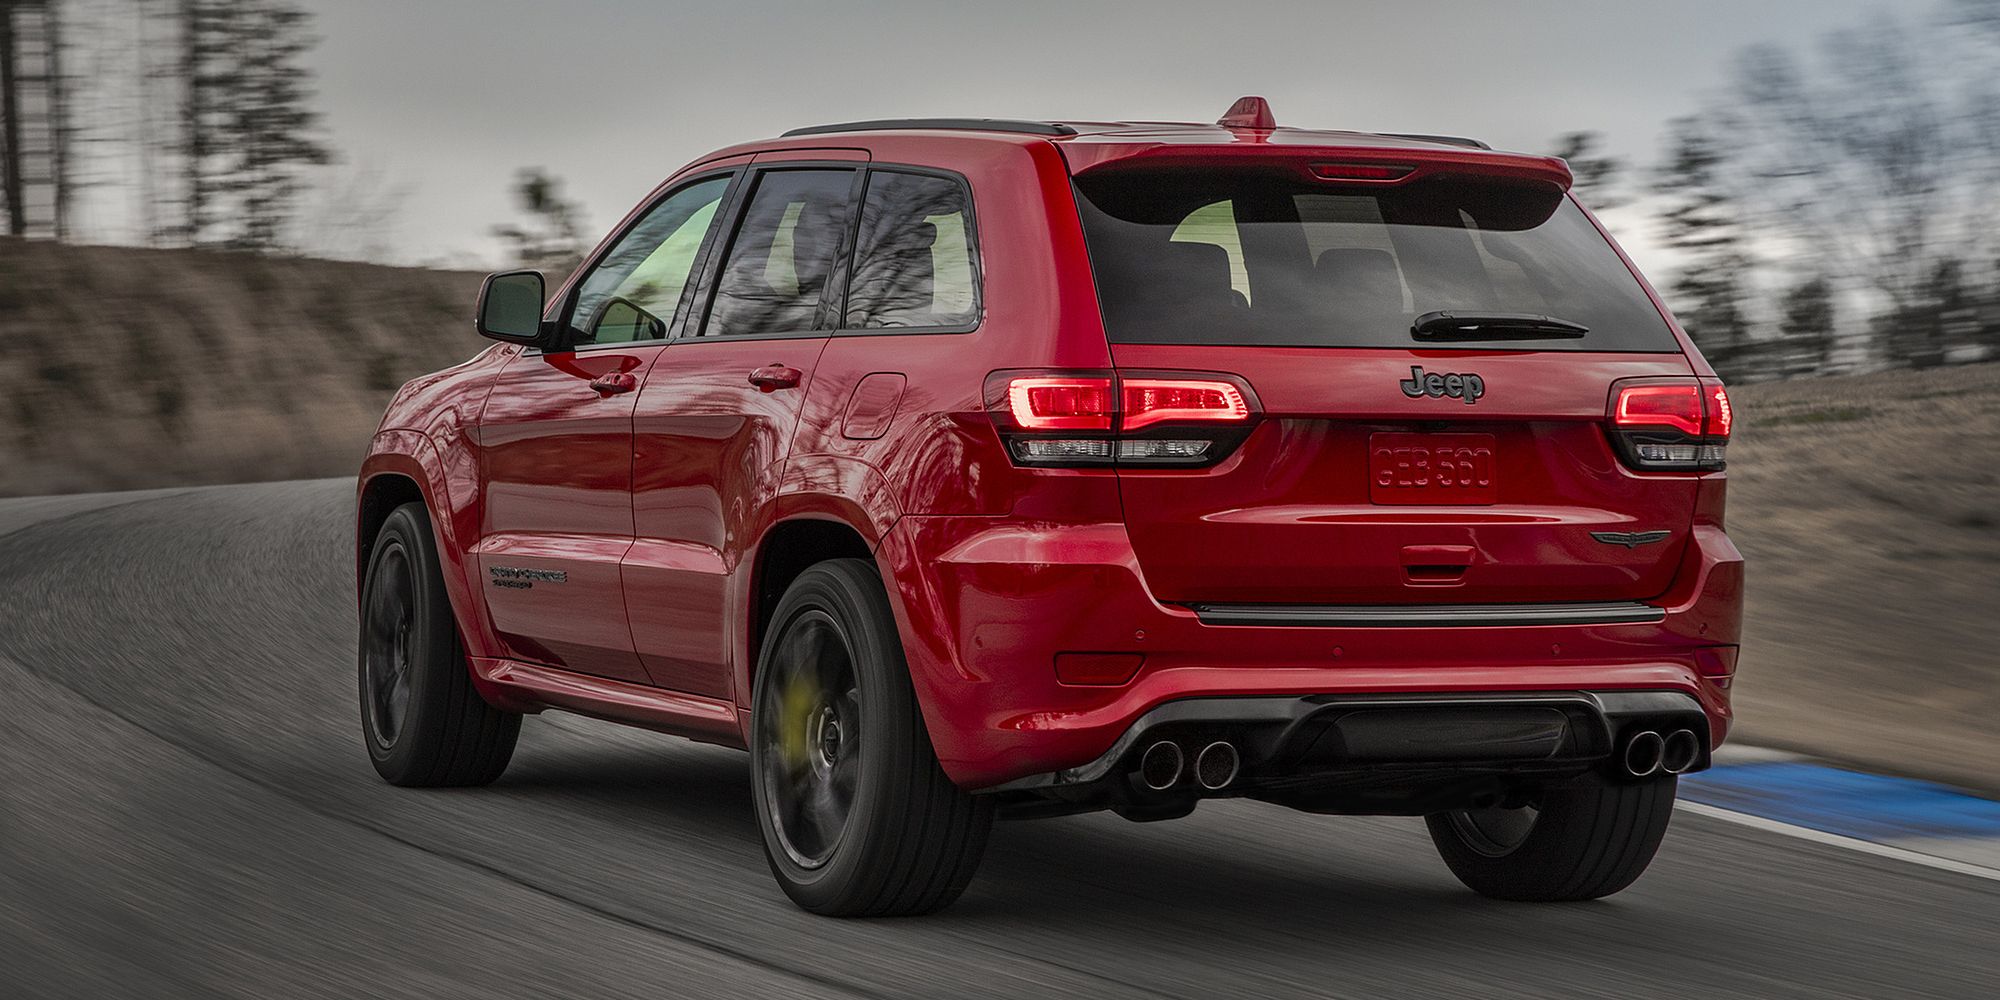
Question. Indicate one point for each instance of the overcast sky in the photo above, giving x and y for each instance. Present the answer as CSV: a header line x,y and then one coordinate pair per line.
x,y
450,97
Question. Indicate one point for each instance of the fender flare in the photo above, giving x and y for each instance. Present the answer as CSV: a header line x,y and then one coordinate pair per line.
x,y
831,488
454,522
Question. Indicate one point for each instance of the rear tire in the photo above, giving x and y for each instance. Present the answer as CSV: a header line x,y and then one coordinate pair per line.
x,y
1578,843
857,817
422,721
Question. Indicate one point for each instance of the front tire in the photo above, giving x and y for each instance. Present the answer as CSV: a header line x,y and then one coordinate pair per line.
x,y
857,817
1574,843
423,723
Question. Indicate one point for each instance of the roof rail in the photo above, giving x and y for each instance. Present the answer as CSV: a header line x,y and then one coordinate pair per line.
x,y
1449,140
970,124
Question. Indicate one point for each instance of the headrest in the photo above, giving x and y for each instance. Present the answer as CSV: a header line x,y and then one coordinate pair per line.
x,y
1359,280
1195,271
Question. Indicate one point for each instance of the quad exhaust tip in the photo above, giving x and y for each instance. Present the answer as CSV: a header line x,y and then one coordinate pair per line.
x,y
1644,754
1680,751
1160,766
1215,767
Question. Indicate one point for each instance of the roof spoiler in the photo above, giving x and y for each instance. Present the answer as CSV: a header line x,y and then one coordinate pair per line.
x,y
1328,163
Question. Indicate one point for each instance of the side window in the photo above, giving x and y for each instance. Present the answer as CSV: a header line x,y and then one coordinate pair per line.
x,y
633,290
782,253
913,262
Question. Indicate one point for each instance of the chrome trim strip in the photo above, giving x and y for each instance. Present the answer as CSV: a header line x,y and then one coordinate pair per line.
x,y
1428,616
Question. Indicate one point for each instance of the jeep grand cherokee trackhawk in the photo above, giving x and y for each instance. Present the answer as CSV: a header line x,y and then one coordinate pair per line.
x,y
971,468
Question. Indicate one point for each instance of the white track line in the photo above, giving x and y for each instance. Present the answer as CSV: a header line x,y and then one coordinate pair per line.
x,y
1836,840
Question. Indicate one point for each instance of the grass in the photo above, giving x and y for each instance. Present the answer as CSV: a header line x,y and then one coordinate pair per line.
x,y
1871,555
1833,415
171,367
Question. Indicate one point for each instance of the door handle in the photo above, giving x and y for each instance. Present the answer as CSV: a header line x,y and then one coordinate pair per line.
x,y
613,383
771,378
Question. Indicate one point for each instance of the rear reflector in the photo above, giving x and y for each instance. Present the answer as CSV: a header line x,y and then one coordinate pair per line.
x,y
1097,668
1716,661
1671,424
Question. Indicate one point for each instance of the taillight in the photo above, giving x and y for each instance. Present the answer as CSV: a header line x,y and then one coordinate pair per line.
x,y
1109,418
1671,425
1148,401
1055,403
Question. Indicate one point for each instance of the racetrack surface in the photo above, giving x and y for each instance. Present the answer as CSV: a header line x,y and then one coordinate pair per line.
x,y
186,810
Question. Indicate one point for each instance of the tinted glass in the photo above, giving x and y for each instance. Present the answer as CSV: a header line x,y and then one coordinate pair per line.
x,y
913,263
632,292
1255,257
782,254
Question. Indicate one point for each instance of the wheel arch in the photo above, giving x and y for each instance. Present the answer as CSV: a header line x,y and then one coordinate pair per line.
x,y
403,467
788,548
379,496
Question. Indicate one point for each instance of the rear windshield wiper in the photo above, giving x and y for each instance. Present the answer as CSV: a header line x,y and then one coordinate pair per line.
x,y
1445,325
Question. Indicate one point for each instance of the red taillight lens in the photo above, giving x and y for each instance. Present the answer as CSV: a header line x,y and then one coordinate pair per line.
x,y
1148,401
1720,416
1671,424
1054,403
1676,406
1093,419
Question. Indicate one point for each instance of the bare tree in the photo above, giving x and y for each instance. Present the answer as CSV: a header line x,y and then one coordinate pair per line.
x,y
1941,315
34,122
1702,222
352,215
247,121
1806,328
1598,176
1879,162
553,240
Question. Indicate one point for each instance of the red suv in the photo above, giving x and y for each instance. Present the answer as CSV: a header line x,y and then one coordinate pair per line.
x,y
963,468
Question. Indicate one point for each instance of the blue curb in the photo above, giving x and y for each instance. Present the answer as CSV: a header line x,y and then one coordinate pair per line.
x,y
1850,803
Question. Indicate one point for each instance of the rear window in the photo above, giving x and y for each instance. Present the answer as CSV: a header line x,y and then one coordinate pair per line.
x,y
1256,258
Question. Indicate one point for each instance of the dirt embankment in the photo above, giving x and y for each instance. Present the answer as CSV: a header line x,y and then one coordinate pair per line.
x,y
123,368
1869,506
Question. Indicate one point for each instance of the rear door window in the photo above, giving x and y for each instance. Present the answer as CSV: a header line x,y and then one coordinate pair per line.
x,y
1257,258
915,266
774,276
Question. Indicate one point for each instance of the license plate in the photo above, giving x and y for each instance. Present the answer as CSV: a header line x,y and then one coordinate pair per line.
x,y
1431,469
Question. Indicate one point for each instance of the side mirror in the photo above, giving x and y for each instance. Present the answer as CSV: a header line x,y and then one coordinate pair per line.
x,y
510,307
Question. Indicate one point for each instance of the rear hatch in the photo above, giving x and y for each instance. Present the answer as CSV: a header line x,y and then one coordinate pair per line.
x,y
1432,353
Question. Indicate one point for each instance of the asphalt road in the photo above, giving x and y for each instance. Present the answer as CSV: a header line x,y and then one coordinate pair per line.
x,y
186,810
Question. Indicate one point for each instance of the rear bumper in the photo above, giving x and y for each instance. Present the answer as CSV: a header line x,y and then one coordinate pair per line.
x,y
1370,753
985,605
